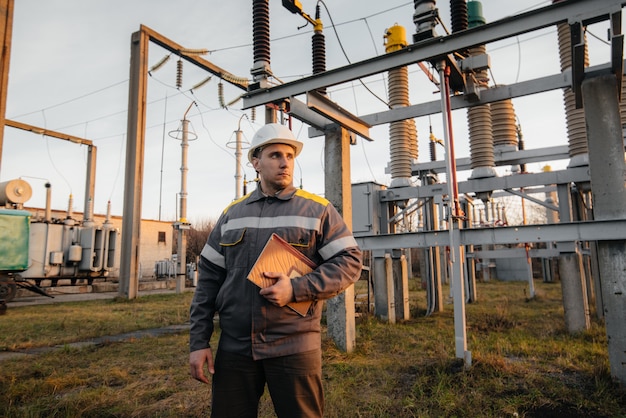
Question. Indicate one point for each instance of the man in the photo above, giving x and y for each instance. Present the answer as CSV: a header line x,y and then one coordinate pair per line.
x,y
262,341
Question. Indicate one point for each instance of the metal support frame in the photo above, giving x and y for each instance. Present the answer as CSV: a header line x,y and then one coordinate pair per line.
x,y
609,230
585,11
135,146
577,13
90,176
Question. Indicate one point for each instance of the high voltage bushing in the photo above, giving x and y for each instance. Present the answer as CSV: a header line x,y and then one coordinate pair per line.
x,y
318,43
458,15
459,19
261,31
220,94
179,73
504,125
425,19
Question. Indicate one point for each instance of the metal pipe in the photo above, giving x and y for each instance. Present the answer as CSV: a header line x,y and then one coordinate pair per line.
x,y
456,251
48,211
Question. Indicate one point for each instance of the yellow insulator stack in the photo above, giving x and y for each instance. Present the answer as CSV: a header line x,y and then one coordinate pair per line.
x,y
504,125
480,127
481,141
402,134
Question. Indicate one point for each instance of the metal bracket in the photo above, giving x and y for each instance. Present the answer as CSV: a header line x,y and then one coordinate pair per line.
x,y
617,50
578,61
331,110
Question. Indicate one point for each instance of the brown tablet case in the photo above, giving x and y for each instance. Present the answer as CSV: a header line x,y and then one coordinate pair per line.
x,y
279,256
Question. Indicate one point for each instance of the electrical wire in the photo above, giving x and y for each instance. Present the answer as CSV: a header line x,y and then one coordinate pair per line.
x,y
346,55
597,37
71,100
120,159
211,136
229,48
69,186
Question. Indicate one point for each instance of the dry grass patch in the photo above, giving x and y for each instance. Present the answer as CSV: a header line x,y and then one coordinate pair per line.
x,y
524,364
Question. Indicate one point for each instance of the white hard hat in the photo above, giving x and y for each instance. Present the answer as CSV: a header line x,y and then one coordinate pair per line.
x,y
274,133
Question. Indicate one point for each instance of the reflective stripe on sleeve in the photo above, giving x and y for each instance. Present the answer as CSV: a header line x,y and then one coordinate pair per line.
x,y
337,245
312,224
213,256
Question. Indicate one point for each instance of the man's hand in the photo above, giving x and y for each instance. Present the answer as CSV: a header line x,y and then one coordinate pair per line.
x,y
281,292
197,359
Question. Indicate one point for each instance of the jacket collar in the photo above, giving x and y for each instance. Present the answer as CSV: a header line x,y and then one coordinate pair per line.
x,y
285,194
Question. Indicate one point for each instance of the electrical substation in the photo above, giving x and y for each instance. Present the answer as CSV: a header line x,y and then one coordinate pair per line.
x,y
459,228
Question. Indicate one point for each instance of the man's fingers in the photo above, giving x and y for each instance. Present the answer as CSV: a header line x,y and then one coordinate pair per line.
x,y
198,374
197,360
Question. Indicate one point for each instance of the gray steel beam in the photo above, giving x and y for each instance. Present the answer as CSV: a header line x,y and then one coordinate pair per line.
x,y
491,95
576,231
559,152
532,199
432,49
302,112
514,253
571,175
319,103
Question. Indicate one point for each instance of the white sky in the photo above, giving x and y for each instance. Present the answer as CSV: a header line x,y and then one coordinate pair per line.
x,y
70,69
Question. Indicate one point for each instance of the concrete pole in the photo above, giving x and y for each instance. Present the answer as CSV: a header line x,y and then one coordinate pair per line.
x,y
6,34
575,305
90,181
182,224
384,305
400,279
389,290
133,180
607,170
571,271
338,190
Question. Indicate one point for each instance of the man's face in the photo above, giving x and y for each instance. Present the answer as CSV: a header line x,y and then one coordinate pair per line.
x,y
275,167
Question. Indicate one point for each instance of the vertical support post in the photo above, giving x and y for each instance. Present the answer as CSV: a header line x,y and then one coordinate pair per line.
x,y
607,170
90,181
470,264
457,256
6,34
383,299
340,309
133,183
400,283
529,270
432,256
575,305
181,225
391,297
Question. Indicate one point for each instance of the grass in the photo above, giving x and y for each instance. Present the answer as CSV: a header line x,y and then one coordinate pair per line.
x,y
525,364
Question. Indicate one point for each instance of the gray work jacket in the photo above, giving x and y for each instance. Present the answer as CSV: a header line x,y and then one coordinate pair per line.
x,y
249,324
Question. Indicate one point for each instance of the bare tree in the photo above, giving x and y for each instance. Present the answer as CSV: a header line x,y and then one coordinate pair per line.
x,y
197,236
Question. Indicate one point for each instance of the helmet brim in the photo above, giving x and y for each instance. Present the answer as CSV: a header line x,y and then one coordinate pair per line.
x,y
297,146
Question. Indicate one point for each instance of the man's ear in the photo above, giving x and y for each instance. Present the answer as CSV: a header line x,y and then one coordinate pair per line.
x,y
255,163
